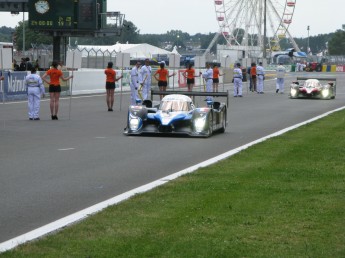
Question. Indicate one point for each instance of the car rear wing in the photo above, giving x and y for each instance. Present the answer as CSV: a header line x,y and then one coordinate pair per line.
x,y
320,79
193,94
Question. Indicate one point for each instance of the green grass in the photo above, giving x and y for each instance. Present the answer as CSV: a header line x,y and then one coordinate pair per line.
x,y
281,198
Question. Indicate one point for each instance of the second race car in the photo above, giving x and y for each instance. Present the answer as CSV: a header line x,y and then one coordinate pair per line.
x,y
176,114
320,88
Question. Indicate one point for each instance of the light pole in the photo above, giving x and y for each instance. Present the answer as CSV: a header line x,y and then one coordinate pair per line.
x,y
265,42
308,49
23,32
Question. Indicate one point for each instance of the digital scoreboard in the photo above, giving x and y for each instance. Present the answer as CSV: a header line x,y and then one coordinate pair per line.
x,y
52,14
64,15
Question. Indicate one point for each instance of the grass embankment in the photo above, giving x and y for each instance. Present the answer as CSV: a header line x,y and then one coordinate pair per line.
x,y
281,198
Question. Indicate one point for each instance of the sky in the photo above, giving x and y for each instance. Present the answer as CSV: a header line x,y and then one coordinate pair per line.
x,y
198,16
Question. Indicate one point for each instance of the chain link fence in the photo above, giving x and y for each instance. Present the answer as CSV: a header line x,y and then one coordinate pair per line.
x,y
95,58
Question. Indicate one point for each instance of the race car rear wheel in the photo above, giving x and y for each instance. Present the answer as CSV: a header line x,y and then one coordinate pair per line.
x,y
222,129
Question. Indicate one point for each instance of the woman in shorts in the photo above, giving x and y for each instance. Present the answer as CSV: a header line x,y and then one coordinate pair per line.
x,y
162,75
110,85
215,78
189,73
54,87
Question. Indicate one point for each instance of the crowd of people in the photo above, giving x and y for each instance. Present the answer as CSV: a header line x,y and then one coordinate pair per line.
x,y
256,77
25,64
140,82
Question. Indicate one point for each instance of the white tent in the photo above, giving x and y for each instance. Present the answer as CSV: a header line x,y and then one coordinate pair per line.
x,y
136,51
174,51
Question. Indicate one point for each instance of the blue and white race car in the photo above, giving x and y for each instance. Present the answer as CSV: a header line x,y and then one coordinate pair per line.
x,y
176,114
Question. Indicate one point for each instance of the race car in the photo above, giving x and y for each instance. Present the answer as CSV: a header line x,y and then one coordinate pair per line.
x,y
313,88
176,114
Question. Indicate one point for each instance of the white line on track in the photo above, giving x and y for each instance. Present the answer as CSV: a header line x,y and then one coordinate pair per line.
x,y
63,222
67,149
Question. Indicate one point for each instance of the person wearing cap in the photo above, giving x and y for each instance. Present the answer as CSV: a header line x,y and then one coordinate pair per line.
x,y
281,70
260,72
208,77
238,80
162,75
145,79
110,85
35,88
134,83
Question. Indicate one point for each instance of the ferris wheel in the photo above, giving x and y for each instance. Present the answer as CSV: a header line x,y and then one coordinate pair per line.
x,y
241,22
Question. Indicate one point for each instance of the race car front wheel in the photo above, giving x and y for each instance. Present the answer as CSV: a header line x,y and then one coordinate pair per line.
x,y
210,125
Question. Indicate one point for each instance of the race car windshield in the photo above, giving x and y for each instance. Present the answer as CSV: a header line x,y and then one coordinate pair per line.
x,y
174,106
311,84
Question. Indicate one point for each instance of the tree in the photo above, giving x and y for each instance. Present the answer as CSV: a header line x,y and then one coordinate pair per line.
x,y
31,37
6,34
130,34
336,46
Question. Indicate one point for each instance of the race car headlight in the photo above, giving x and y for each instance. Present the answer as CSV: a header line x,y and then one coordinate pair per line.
x,y
293,92
199,123
134,123
325,93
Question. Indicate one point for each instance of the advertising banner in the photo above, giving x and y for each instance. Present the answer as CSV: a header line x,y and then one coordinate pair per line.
x,y
14,86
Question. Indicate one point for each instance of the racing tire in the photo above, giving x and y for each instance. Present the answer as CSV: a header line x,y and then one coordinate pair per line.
x,y
222,129
210,125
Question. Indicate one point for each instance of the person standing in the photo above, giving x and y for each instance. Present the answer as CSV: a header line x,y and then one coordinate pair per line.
x,y
162,75
281,70
134,83
15,65
35,88
54,87
208,77
189,73
216,75
249,78
238,76
22,65
253,76
110,85
145,79
260,72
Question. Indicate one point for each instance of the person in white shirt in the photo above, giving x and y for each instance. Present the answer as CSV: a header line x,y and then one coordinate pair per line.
x,y
35,89
208,77
145,79
238,76
134,83
260,73
281,70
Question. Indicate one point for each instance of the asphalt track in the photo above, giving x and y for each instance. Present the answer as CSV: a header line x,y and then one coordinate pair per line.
x,y
51,169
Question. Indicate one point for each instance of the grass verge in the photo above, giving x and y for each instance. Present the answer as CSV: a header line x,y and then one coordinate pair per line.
x,y
281,198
